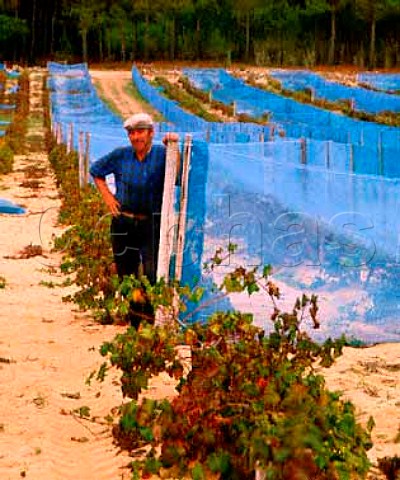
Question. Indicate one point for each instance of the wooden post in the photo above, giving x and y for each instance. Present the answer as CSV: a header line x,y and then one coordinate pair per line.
x,y
59,133
234,108
167,213
86,160
272,133
351,159
328,154
70,138
210,96
262,137
81,158
208,134
380,154
180,242
303,150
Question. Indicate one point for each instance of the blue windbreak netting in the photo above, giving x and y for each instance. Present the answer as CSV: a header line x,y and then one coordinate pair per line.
x,y
294,119
331,234
389,82
364,99
76,105
321,212
183,121
77,69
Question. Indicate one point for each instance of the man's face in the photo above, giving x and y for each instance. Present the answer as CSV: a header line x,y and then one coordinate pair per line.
x,y
141,140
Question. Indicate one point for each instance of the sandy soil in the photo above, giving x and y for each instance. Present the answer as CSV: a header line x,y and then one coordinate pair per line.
x,y
47,348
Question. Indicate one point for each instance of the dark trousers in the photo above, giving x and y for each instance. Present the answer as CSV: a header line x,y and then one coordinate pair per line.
x,y
135,245
135,248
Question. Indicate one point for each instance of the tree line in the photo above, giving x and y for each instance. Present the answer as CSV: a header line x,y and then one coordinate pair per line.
x,y
365,33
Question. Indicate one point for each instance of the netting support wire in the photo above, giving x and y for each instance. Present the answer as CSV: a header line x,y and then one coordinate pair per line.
x,y
180,242
303,151
81,158
86,159
70,138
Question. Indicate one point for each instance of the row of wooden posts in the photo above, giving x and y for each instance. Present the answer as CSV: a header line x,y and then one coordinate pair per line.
x,y
83,149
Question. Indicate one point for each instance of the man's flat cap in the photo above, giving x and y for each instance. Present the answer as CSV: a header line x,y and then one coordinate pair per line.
x,y
139,121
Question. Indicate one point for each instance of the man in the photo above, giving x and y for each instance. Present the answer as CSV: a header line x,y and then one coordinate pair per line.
x,y
139,171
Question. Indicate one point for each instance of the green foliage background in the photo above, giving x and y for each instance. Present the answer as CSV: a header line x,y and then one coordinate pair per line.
x,y
365,33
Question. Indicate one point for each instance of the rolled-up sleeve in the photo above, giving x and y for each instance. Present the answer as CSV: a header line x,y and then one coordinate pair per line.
x,y
105,165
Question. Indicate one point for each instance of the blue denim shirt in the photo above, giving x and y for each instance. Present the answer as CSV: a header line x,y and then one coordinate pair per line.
x,y
139,185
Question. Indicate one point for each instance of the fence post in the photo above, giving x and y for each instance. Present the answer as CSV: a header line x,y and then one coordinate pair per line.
x,y
272,133
180,242
86,161
351,159
70,138
168,225
81,158
210,96
380,154
59,133
208,135
328,155
234,108
303,150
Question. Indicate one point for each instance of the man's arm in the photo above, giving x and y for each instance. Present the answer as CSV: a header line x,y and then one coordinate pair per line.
x,y
108,198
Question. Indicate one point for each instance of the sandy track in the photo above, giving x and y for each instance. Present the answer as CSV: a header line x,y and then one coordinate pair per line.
x,y
47,349
114,86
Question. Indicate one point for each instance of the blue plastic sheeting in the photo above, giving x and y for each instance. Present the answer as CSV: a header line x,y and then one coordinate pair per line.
x,y
9,207
388,82
364,99
331,234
